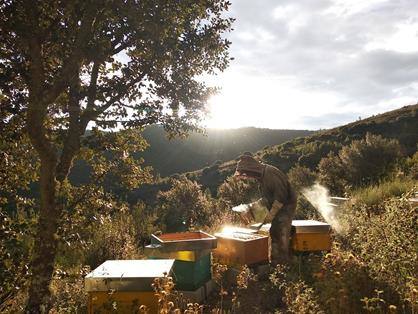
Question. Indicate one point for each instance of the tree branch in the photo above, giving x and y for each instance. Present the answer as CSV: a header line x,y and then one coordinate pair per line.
x,y
74,132
72,63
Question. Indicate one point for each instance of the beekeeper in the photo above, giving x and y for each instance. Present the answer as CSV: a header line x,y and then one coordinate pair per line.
x,y
277,205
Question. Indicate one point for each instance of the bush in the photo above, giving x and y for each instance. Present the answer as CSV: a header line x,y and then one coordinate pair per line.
x,y
370,159
411,166
184,206
341,281
301,177
297,296
331,174
112,238
386,242
363,162
235,191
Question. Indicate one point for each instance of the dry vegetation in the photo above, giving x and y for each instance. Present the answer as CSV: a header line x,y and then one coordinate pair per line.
x,y
371,268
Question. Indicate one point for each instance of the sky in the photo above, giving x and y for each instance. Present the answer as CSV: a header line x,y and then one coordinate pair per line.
x,y
315,64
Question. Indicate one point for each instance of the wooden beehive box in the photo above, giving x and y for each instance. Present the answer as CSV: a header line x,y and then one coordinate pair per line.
x,y
157,251
126,284
306,235
192,254
184,241
239,248
310,235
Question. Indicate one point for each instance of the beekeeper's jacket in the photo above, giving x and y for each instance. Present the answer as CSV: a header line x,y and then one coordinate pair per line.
x,y
277,194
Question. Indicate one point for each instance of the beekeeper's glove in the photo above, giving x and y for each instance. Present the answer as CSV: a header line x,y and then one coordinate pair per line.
x,y
275,208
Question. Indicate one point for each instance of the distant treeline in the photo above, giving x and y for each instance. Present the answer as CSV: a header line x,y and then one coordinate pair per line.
x,y
400,124
198,150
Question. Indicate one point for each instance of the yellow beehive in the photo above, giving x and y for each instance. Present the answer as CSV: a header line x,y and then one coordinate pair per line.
x,y
306,235
124,285
310,235
121,301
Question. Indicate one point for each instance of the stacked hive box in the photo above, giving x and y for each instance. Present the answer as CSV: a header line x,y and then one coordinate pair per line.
x,y
192,254
125,284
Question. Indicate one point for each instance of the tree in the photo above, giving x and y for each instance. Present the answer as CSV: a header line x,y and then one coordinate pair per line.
x,y
65,65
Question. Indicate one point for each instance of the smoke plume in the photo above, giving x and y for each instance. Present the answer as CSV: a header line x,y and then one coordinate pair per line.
x,y
319,197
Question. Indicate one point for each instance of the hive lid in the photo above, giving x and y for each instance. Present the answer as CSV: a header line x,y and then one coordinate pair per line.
x,y
184,241
127,275
310,226
240,236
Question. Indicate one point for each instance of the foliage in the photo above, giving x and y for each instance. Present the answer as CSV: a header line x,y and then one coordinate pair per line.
x,y
386,242
362,162
331,174
235,191
411,166
369,160
298,297
15,244
341,279
118,63
301,177
18,165
113,238
374,196
184,206
68,294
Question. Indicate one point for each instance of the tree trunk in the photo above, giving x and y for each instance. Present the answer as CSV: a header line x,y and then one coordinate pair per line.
x,y
46,241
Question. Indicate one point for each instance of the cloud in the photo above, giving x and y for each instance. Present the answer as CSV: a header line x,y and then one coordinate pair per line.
x,y
365,53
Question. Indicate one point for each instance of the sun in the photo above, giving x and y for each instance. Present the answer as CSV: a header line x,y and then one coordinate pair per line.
x,y
222,114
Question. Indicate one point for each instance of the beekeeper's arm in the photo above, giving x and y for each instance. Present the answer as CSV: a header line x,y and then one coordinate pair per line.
x,y
261,213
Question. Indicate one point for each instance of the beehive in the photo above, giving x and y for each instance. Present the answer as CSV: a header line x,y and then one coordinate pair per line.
x,y
306,235
192,254
157,251
192,275
184,241
239,248
310,235
125,284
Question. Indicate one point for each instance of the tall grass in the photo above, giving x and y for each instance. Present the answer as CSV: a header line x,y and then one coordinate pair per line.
x,y
374,195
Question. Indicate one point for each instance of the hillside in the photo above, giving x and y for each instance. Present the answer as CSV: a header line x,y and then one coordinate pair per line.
x,y
200,150
197,151
400,124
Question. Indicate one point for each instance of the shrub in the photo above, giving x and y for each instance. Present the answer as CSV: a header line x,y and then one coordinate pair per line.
x,y
300,177
114,237
341,281
386,242
363,162
184,206
235,191
370,159
297,296
411,166
331,174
